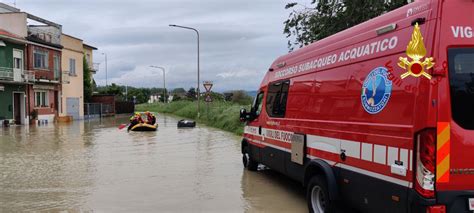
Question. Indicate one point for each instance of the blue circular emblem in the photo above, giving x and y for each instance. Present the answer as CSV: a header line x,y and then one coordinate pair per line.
x,y
376,90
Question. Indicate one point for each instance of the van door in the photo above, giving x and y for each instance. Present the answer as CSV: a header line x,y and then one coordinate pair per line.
x,y
455,135
455,138
275,153
455,127
256,112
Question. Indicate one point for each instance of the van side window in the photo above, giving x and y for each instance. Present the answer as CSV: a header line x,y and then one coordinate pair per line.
x,y
461,79
257,104
276,98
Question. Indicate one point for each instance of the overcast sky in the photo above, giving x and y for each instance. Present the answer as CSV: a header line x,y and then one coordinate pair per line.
x,y
239,38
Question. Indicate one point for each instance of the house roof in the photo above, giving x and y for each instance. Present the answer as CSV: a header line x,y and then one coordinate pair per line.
x,y
40,41
89,46
70,36
9,8
11,36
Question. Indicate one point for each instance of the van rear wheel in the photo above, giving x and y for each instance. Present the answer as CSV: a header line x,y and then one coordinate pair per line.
x,y
248,162
317,196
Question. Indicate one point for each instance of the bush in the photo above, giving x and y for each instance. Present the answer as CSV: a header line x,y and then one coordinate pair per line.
x,y
222,115
241,97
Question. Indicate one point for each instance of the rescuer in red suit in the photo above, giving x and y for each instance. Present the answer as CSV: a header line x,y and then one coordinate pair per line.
x,y
150,118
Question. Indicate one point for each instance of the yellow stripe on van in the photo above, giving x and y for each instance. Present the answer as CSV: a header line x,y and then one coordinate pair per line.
x,y
443,137
443,147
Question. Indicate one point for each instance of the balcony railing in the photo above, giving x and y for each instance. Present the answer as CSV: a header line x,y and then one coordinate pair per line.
x,y
6,73
29,76
94,68
65,77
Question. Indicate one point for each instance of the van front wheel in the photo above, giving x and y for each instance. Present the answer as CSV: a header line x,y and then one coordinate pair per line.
x,y
248,162
317,196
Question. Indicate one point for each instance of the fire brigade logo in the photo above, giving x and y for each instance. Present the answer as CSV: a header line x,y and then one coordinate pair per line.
x,y
416,51
376,90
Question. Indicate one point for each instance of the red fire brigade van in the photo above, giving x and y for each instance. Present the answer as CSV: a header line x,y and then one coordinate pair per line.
x,y
379,117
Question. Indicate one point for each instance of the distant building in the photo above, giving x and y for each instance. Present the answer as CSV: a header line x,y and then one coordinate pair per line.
x,y
154,98
44,59
89,54
72,97
37,75
40,67
13,78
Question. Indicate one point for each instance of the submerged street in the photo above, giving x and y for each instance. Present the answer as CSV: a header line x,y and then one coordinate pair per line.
x,y
94,166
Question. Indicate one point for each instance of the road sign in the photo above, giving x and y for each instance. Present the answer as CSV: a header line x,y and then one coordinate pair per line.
x,y
207,85
208,98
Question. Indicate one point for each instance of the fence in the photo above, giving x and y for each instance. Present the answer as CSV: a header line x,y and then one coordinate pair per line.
x,y
122,107
96,110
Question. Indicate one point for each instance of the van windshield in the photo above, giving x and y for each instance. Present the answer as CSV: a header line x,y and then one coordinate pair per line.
x,y
461,78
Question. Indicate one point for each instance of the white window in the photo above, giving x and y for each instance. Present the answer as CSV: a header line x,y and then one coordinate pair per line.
x,y
72,66
56,67
17,63
40,58
48,38
41,99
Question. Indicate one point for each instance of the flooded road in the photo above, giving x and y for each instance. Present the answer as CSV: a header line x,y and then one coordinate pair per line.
x,y
93,166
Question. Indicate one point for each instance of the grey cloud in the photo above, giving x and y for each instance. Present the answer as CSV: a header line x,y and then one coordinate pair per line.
x,y
161,35
239,38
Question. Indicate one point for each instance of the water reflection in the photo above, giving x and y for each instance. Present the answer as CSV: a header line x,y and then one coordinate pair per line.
x,y
45,168
93,166
269,191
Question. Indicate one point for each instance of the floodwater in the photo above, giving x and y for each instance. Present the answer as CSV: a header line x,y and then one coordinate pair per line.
x,y
92,166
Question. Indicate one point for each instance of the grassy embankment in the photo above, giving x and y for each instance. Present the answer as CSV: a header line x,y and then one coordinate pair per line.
x,y
222,115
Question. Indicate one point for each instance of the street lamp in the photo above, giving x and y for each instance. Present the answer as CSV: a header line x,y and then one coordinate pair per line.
x,y
198,90
106,83
164,81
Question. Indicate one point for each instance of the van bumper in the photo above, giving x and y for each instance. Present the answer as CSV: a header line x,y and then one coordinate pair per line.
x,y
454,201
418,204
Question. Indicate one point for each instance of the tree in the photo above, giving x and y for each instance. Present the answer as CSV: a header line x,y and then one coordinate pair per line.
x,y
113,89
217,97
141,94
88,83
241,97
307,24
179,91
191,94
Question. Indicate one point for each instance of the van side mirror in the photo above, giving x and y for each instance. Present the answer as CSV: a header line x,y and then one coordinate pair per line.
x,y
244,115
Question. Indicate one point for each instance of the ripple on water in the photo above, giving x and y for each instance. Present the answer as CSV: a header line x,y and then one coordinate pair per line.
x,y
93,166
